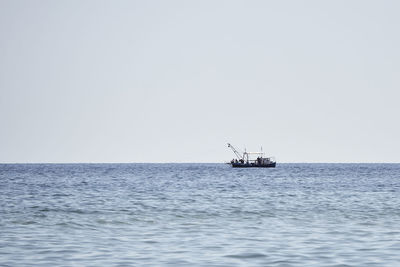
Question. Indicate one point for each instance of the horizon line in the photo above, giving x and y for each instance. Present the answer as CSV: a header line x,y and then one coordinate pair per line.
x,y
4,163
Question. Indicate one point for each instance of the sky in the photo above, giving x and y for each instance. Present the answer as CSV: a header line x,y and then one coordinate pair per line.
x,y
175,81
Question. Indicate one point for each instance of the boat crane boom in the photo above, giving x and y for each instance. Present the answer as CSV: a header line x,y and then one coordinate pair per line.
x,y
235,151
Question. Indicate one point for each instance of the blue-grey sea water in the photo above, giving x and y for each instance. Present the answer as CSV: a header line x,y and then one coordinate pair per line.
x,y
199,215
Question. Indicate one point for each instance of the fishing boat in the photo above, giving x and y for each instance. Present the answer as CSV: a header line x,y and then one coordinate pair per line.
x,y
248,160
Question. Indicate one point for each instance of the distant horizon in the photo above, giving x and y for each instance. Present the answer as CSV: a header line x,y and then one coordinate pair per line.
x,y
5,163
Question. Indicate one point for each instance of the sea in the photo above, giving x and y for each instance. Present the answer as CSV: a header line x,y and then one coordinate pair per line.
x,y
199,215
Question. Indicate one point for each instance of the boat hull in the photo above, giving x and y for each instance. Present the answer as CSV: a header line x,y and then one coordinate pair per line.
x,y
251,165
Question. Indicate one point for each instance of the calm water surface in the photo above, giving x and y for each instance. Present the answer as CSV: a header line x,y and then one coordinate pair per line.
x,y
199,215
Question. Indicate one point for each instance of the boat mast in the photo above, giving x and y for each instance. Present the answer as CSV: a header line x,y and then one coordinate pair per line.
x,y
235,151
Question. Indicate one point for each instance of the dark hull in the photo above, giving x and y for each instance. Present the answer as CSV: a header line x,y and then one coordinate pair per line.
x,y
250,165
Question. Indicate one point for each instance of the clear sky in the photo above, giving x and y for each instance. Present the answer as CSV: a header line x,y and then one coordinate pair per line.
x,y
174,81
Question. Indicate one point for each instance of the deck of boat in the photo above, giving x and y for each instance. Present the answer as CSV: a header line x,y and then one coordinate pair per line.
x,y
252,165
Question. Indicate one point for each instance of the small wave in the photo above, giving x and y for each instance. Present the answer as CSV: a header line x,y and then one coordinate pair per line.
x,y
247,255
69,210
23,222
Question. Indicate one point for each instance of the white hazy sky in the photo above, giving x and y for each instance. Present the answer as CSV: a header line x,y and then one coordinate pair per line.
x,y
174,81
